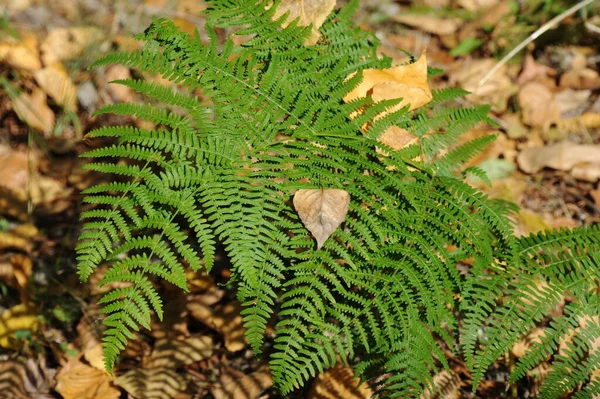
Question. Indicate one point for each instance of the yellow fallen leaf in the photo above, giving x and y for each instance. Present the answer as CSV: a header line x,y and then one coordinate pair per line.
x,y
313,12
63,44
408,82
33,110
19,317
322,211
77,380
56,83
21,55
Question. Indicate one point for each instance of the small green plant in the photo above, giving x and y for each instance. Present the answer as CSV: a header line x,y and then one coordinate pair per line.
x,y
384,292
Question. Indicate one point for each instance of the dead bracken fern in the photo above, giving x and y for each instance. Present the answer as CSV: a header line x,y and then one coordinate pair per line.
x,y
381,290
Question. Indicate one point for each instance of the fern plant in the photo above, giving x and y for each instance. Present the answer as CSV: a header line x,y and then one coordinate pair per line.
x,y
249,125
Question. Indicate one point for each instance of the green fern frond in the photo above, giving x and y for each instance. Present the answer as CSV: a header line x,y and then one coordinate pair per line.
x,y
384,291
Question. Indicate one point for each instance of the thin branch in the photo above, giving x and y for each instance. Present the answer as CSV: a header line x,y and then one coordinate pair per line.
x,y
542,29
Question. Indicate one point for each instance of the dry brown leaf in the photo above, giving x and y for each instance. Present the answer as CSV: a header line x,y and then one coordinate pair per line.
x,y
476,5
77,380
561,156
581,79
397,138
20,183
95,356
496,91
338,382
34,111
18,237
445,386
119,92
226,320
154,383
520,348
63,44
26,380
538,107
572,102
408,82
172,353
19,317
322,211
430,23
534,71
21,55
234,386
55,81
313,12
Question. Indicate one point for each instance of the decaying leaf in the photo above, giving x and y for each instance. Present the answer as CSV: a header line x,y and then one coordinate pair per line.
x,y
77,380
445,386
18,318
119,92
154,383
34,111
520,348
172,353
538,107
561,156
338,382
430,23
321,211
21,55
226,320
397,138
63,44
26,380
20,184
18,237
408,82
309,11
496,91
56,83
235,385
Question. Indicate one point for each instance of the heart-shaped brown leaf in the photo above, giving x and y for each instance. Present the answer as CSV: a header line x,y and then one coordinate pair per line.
x,y
322,211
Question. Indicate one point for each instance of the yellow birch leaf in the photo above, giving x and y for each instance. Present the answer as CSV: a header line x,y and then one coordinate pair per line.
x,y
408,82
309,11
322,211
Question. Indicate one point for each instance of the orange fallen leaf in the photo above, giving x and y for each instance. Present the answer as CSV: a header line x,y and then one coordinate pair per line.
x,y
397,138
322,211
309,12
408,82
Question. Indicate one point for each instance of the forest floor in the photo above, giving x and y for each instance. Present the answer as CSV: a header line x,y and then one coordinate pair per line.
x,y
546,159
